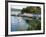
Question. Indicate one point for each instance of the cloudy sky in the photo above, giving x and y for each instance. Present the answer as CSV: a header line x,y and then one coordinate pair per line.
x,y
18,6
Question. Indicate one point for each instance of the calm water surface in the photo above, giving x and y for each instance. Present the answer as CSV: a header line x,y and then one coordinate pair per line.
x,y
18,24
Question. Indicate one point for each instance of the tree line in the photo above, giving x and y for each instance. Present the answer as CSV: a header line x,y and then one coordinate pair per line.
x,y
31,9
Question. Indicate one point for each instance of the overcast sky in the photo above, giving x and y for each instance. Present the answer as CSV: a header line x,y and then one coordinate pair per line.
x,y
18,6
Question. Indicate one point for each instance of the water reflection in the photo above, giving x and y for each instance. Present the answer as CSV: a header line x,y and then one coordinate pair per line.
x,y
18,24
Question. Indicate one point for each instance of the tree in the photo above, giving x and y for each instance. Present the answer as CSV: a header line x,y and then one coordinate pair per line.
x,y
31,9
